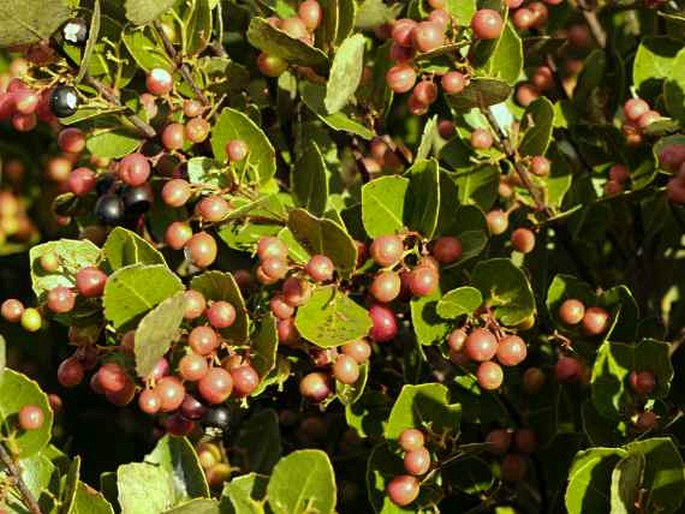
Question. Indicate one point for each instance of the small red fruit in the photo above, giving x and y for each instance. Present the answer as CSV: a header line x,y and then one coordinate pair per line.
x,y
487,24
490,375
314,386
595,321
31,417
480,345
511,351
403,490
384,323
159,82
417,462
572,311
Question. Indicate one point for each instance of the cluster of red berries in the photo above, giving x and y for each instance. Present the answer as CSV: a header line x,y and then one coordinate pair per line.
x,y
383,159
301,26
594,321
638,116
482,346
672,159
515,446
522,238
532,15
619,174
404,489
541,81
643,384
410,37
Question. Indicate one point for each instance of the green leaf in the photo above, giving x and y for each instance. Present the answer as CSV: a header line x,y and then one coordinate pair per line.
x,y
506,61
383,202
124,248
220,286
156,331
330,318
423,405
674,89
244,495
41,478
654,62
478,185
113,143
431,142
93,34
303,481
506,288
30,21
264,347
625,482
260,163
16,391
350,393
347,13
590,480
589,81
3,355
459,301
70,485
612,395
480,92
89,501
132,291
429,328
462,10
374,13
423,197
144,488
176,458
275,42
313,96
72,256
324,236
145,49
469,474
141,12
309,180
663,479
536,125
207,172
259,440
199,28
346,73
197,506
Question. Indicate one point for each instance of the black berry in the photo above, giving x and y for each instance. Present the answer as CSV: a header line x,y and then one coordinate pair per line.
x,y
109,209
104,183
75,31
63,101
218,417
137,200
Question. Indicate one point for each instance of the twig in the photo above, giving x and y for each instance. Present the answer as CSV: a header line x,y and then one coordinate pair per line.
x,y
596,29
141,125
15,473
182,67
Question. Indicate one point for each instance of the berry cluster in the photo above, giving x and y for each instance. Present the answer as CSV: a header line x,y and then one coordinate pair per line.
x,y
638,116
594,321
672,159
404,489
514,446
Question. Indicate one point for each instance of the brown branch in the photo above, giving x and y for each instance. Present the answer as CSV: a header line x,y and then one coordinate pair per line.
x,y
145,128
180,65
15,473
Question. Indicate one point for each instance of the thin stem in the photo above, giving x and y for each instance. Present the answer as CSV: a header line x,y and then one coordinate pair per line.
x,y
182,67
145,128
15,473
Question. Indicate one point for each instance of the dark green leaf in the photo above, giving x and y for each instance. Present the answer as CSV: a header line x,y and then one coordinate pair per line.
x,y
93,34
264,347
506,61
423,405
259,440
480,93
199,27
30,21
422,201
141,12
124,247
536,127
309,180
459,301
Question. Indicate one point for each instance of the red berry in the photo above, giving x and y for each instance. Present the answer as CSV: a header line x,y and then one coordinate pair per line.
x,y
82,181
453,82
447,249
202,249
61,300
221,315
320,268
401,54
26,101
71,140
634,108
411,439
24,122
386,286
540,13
346,369
642,382
417,462
112,378
296,291
280,307
203,340
511,351
384,323
403,490
192,408
245,380
543,78
572,311
498,441
149,401
237,150
195,304
646,421
480,345
179,426
672,157
216,386
90,281
134,169
12,310
287,332
192,367
533,380
213,208
173,136
595,321
31,417
310,13
403,32
171,392
178,234
648,118
481,139
192,108
359,350
429,36
270,65
490,375
487,24
176,192
425,92
440,17
159,82
271,247
387,250
540,166
523,240
526,93
401,78
568,370
513,467
197,130
423,280
315,386
525,440
70,372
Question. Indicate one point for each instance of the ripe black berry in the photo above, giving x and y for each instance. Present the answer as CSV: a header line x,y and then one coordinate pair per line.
x,y
219,417
109,209
63,101
75,31
137,200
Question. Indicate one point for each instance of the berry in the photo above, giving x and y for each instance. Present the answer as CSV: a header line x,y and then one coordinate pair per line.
x,y
192,408
481,139
70,372
498,441
648,118
480,345
173,136
425,92
498,222
137,200
90,281
315,386
12,310
401,78
571,311
31,417
310,13
417,462
672,157
646,421
296,292
192,108
179,426
203,340
63,101
213,208
359,350
411,439
24,122
271,247
61,300
513,467
457,339
149,401
221,314
294,27
401,54
82,181
525,440
71,140
112,378
320,268
195,304
59,169
202,249
75,32
533,380
216,386
568,370
523,240
384,323
440,17
487,24
453,82
490,375
511,351
171,392
635,108
192,367
197,130
280,307
245,380
31,320
403,32
595,321
271,66
237,150
346,369
387,250
287,332
423,280
428,36
159,82
543,78
447,249
218,417
540,166
109,209
642,382
386,286
403,490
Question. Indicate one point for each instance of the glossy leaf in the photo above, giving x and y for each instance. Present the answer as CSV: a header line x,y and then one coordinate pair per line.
x,y
346,73
309,180
423,405
124,248
459,301
383,204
